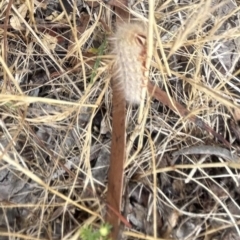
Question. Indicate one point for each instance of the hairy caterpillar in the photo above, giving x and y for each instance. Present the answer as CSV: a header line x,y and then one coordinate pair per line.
x,y
129,50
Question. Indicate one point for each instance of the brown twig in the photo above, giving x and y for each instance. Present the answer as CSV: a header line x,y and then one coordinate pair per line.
x,y
118,149
162,96
117,160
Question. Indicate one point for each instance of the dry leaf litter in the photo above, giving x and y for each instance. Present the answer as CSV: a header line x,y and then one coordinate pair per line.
x,y
55,141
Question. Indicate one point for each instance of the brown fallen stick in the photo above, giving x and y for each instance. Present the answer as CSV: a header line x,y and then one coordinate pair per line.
x,y
118,148
116,169
162,97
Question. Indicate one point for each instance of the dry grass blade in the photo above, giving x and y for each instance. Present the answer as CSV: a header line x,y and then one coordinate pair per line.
x,y
6,30
6,70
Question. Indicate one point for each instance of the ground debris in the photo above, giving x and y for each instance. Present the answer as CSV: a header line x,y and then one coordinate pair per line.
x,y
56,121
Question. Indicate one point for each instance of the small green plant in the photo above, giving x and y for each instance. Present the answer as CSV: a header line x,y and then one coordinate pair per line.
x,y
88,233
99,52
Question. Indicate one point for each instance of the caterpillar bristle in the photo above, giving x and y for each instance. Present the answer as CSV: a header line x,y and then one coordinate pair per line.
x,y
129,50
